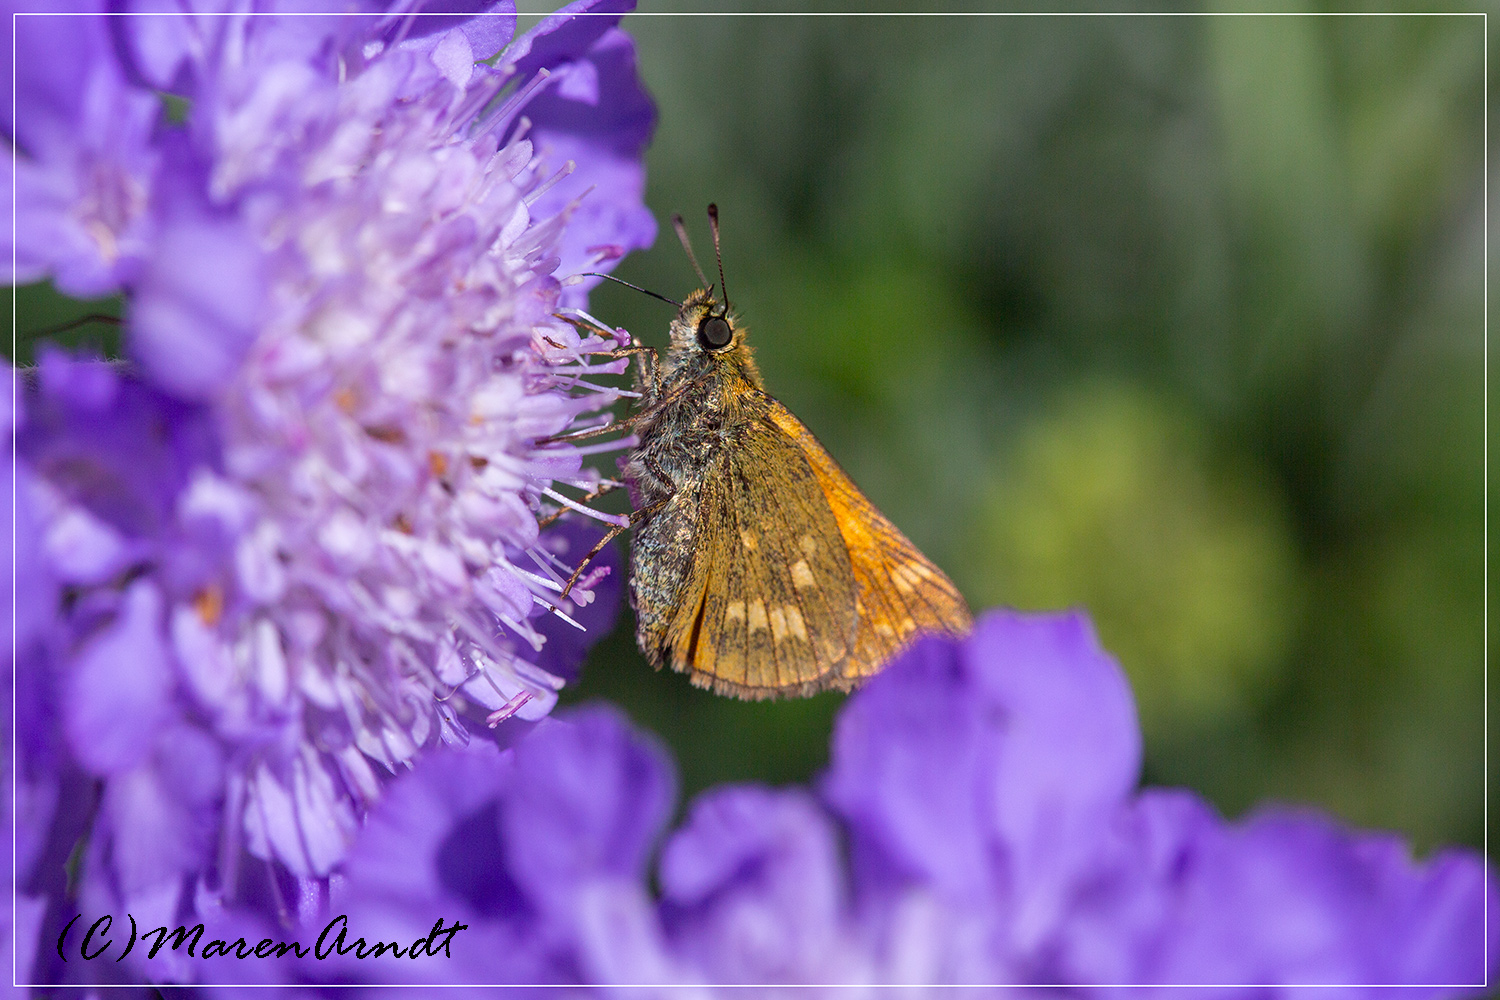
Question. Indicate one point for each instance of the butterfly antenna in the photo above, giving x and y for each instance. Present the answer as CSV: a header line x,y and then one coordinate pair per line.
x,y
619,281
683,236
713,224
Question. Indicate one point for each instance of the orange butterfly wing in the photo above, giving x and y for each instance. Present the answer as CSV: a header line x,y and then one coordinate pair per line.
x,y
767,606
800,584
898,590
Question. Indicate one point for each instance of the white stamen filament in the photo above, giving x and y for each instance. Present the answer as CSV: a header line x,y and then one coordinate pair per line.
x,y
620,519
510,708
536,193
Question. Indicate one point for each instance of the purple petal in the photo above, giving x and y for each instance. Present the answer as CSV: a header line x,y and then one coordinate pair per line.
x,y
434,845
111,444
409,849
561,36
82,384
1128,908
989,767
566,646
164,814
1457,899
180,55
600,118
85,167
1069,718
909,772
83,549
752,887
620,938
35,804
1292,897
119,689
1068,750
590,798
298,815
198,306
54,52
437,844
24,937
488,26
37,588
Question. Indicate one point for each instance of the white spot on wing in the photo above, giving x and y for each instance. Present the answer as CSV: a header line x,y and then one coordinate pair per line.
x,y
757,614
802,576
794,623
734,611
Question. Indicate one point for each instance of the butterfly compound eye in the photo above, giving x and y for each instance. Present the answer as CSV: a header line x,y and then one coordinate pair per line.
x,y
714,333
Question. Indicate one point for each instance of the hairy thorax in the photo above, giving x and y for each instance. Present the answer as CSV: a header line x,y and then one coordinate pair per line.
x,y
705,400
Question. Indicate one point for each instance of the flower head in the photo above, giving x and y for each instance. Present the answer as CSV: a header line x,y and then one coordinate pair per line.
x,y
293,540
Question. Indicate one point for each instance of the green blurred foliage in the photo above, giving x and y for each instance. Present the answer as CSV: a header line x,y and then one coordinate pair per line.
x,y
1179,319
44,317
1114,502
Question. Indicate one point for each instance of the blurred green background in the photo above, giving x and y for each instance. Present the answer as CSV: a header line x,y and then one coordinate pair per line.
x,y
1177,319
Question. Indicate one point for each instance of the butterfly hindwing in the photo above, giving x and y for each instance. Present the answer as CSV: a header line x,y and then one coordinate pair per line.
x,y
768,606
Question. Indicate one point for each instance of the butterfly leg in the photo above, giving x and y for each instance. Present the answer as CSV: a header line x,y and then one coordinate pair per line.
x,y
608,486
609,536
584,435
586,322
615,352
658,403
645,412
635,518
653,381
653,369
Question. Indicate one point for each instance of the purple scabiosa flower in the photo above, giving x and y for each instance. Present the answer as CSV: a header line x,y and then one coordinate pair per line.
x,y
87,162
754,891
985,789
533,852
293,539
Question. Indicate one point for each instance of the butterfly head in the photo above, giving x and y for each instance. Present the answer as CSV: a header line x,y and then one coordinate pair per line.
x,y
707,338
705,326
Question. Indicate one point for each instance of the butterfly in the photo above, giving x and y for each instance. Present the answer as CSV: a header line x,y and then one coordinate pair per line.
x,y
757,567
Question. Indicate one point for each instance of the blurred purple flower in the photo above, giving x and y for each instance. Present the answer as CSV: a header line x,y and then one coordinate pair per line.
x,y
995,837
753,890
985,789
530,849
294,540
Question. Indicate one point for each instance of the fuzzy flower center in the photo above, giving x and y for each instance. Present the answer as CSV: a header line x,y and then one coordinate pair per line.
x,y
380,468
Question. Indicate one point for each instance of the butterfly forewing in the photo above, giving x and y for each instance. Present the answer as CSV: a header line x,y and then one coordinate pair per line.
x,y
898,591
769,603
